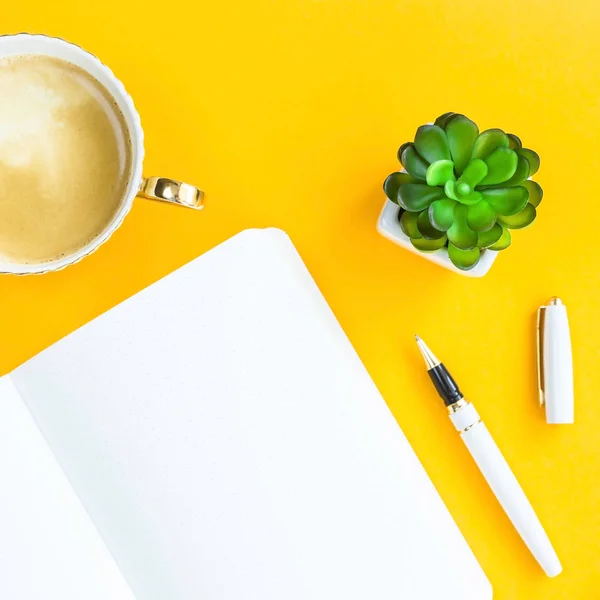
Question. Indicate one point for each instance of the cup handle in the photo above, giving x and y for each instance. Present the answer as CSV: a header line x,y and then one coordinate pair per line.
x,y
172,191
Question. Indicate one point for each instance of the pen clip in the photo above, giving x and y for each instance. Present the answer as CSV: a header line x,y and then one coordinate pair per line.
x,y
541,319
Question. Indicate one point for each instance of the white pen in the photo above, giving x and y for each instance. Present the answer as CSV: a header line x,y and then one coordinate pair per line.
x,y
492,464
555,363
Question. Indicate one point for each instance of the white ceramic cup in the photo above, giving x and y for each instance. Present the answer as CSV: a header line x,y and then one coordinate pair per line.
x,y
154,188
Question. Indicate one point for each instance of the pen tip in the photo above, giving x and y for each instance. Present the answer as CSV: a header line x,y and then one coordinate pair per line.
x,y
428,355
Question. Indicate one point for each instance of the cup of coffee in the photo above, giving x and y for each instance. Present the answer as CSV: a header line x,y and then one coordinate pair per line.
x,y
71,154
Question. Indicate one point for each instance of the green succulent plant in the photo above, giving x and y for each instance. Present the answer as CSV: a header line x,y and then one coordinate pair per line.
x,y
464,190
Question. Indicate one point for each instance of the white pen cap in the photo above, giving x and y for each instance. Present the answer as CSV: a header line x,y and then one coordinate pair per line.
x,y
555,363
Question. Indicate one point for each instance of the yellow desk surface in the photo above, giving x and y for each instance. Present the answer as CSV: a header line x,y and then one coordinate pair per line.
x,y
289,113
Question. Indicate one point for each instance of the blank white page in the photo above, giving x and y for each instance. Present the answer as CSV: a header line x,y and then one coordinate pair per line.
x,y
230,445
49,547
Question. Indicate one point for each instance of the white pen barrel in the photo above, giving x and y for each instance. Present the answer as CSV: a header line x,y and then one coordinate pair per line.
x,y
505,486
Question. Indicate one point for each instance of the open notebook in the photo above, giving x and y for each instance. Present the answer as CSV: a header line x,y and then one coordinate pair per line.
x,y
216,437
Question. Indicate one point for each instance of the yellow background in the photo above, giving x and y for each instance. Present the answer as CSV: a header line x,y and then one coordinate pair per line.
x,y
289,113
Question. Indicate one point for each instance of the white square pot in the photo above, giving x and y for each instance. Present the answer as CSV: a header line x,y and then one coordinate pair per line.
x,y
389,227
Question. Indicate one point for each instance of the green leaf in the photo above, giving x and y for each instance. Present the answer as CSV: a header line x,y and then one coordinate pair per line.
x,y
429,245
417,197
520,175
535,192
472,198
514,141
443,119
441,214
431,143
402,149
450,189
521,219
461,133
488,141
426,229
408,224
474,172
486,238
393,183
532,158
463,189
481,216
465,260
439,172
503,241
507,201
501,164
460,234
413,163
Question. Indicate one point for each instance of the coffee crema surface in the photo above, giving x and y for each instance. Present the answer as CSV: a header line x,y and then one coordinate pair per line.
x,y
65,158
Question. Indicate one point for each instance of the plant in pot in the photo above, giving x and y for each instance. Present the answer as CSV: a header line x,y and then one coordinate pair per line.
x,y
460,193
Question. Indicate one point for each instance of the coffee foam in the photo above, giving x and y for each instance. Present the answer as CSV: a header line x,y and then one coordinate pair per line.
x,y
65,158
